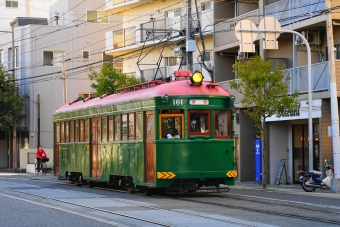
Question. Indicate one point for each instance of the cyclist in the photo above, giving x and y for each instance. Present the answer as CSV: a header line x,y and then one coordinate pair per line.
x,y
40,154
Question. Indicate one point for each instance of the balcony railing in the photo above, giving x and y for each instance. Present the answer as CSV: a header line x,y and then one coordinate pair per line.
x,y
224,31
299,78
161,27
122,38
290,11
149,74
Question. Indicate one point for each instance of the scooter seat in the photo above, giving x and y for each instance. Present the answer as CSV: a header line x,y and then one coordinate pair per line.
x,y
316,172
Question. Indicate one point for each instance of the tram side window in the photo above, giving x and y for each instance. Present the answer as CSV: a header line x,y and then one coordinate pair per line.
x,y
150,132
71,131
104,127
57,132
171,126
124,126
62,132
110,127
67,130
131,126
117,127
138,126
76,130
199,122
223,124
81,127
86,130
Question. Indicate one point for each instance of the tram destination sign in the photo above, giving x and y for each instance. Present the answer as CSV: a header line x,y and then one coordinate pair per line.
x,y
199,102
171,111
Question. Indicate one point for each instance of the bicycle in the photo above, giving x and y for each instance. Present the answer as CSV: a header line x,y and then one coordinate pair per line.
x,y
43,167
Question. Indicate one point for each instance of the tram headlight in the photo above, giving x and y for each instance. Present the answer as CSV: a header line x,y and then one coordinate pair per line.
x,y
165,98
196,78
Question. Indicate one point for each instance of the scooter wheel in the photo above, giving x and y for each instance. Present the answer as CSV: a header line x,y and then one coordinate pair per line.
x,y
305,187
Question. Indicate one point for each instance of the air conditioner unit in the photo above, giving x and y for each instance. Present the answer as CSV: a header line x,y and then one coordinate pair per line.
x,y
313,37
298,40
242,55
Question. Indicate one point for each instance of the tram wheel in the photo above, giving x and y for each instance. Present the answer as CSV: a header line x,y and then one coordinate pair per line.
x,y
146,191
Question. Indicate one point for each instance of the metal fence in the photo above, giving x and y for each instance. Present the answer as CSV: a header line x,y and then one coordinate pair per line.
x,y
290,11
299,78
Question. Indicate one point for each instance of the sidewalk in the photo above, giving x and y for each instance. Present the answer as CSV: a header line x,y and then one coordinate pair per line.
x,y
284,188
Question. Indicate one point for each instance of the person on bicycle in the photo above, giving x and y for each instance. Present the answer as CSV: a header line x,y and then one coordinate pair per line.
x,y
39,155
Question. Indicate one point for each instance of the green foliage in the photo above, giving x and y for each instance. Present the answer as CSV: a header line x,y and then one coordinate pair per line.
x,y
109,79
265,93
11,102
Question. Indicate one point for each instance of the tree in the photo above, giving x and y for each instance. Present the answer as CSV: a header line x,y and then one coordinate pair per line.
x,y
265,93
11,102
110,79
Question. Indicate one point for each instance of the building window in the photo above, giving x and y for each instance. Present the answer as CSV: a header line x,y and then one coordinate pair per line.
x,y
174,13
97,16
1,52
207,6
86,54
172,61
16,57
85,95
53,58
12,4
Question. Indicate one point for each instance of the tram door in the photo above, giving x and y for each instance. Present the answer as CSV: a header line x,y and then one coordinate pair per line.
x,y
149,138
95,148
56,146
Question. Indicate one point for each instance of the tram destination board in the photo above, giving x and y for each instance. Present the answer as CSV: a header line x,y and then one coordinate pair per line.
x,y
171,111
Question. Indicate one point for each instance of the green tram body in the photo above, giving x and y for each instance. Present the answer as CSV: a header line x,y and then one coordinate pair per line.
x,y
120,139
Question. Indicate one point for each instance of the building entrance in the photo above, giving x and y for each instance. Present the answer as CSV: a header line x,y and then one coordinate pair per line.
x,y
300,149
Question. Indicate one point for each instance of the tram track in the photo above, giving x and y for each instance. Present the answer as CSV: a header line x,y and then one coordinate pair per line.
x,y
325,214
291,209
18,194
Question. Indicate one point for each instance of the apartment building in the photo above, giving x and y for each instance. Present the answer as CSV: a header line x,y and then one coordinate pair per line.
x,y
44,49
9,10
151,42
287,136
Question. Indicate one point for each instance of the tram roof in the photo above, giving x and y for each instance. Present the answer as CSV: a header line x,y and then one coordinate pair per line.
x,y
173,88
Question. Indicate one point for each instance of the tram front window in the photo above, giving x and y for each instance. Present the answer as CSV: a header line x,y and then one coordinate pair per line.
x,y
223,124
199,122
171,126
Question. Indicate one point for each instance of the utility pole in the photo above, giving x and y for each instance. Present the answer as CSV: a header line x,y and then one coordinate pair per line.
x,y
14,117
63,73
38,103
190,43
334,101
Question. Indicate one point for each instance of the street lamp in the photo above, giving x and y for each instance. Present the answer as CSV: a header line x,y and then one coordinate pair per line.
x,y
272,23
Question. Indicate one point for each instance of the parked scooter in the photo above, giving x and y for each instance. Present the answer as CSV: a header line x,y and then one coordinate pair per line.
x,y
312,180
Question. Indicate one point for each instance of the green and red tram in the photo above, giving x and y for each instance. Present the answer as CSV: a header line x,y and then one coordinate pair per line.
x,y
176,136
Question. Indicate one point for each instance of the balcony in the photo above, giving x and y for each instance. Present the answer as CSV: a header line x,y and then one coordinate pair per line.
x,y
299,78
291,11
129,39
285,11
149,74
225,31
116,6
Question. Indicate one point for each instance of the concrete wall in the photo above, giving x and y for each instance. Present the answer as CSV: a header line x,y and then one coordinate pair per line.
x,y
277,149
24,158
